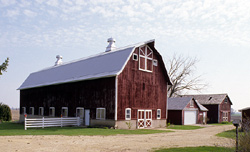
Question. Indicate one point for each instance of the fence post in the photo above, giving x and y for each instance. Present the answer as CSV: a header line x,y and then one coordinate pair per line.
x,y
78,121
61,121
25,128
43,122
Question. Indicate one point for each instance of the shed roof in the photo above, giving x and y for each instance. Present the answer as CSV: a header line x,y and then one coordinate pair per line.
x,y
209,99
179,103
247,108
106,64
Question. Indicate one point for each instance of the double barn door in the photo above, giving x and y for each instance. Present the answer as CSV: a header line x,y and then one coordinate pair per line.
x,y
144,118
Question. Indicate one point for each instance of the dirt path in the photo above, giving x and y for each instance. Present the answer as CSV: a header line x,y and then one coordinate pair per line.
x,y
183,138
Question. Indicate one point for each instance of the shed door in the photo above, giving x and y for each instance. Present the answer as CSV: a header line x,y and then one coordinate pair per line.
x,y
190,117
87,117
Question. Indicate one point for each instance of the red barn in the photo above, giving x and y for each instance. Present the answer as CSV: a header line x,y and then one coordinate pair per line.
x,y
218,105
121,87
186,111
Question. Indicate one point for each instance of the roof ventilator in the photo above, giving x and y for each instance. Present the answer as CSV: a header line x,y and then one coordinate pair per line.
x,y
111,45
59,60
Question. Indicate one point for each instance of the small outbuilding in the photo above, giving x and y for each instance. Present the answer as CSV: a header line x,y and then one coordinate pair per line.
x,y
186,111
218,105
245,115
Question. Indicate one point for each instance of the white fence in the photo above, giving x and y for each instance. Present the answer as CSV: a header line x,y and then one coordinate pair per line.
x,y
51,122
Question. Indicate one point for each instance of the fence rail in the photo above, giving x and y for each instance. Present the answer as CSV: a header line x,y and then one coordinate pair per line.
x,y
51,122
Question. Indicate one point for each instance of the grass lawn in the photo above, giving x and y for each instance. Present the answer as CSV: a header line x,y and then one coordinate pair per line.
x,y
184,127
12,129
228,134
223,123
197,149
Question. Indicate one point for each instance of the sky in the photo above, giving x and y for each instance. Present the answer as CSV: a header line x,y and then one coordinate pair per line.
x,y
216,32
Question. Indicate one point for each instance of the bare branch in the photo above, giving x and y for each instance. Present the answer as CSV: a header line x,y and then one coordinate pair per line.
x,y
181,70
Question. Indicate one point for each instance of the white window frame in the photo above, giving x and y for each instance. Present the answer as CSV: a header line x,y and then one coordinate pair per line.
x,y
53,111
98,116
80,108
225,116
41,111
158,115
128,114
32,111
63,111
145,57
134,54
192,103
23,110
155,62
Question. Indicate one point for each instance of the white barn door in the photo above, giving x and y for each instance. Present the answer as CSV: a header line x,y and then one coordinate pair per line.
x,y
190,117
144,118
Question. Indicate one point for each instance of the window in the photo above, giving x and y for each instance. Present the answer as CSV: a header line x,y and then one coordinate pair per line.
x,y
23,110
31,111
158,113
145,59
80,112
64,112
135,57
155,62
225,116
128,114
225,100
40,112
192,103
52,111
100,113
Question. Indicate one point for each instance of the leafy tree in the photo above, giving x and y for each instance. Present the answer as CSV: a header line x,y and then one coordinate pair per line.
x,y
3,67
181,72
5,112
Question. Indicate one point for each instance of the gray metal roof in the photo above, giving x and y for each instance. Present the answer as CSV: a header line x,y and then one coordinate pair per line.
x,y
106,64
208,99
179,103
202,108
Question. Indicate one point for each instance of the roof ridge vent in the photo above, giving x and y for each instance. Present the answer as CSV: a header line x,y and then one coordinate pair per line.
x,y
59,60
111,45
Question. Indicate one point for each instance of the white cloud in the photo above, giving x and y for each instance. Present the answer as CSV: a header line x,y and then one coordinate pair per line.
x,y
29,13
12,13
80,2
7,2
53,3
147,7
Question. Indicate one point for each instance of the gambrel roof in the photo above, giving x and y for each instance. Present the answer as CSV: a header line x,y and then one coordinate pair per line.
x,y
106,64
179,103
210,99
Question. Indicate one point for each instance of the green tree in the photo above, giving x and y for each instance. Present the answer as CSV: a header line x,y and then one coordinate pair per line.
x,y
3,67
5,112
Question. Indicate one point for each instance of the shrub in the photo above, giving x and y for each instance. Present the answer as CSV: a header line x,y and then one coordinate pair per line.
x,y
5,112
244,138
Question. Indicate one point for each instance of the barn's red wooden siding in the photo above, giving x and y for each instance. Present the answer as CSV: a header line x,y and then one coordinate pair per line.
x,y
90,94
142,90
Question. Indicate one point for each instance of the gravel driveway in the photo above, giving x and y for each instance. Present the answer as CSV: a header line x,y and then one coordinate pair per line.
x,y
179,138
